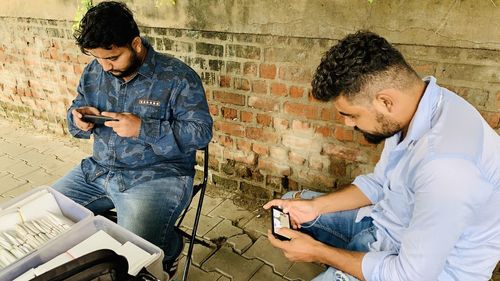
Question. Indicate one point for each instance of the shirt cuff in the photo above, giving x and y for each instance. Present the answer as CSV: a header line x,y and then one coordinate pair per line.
x,y
365,185
370,263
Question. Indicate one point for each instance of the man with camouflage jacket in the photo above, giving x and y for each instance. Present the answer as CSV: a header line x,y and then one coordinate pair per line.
x,y
143,162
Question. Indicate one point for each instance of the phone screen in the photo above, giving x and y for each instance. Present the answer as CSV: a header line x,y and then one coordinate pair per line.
x,y
280,220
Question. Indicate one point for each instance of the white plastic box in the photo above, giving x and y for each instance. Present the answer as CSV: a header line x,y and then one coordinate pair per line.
x,y
71,210
85,225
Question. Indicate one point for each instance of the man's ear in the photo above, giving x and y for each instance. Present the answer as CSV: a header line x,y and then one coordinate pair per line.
x,y
386,100
137,44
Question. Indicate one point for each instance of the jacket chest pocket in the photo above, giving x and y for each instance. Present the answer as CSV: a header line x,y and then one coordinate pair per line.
x,y
149,111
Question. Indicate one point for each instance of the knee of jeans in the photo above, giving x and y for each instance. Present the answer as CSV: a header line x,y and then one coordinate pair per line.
x,y
289,195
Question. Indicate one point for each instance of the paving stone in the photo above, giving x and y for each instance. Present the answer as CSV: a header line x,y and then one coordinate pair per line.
x,y
7,161
205,223
265,273
195,273
36,141
240,242
232,265
224,229
40,177
64,152
209,203
63,170
258,226
304,271
34,157
19,190
8,182
13,149
200,253
55,164
263,250
230,211
20,168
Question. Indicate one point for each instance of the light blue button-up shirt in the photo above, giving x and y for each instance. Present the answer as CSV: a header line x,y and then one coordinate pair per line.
x,y
436,196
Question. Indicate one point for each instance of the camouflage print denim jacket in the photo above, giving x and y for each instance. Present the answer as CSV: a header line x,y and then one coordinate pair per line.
x,y
169,98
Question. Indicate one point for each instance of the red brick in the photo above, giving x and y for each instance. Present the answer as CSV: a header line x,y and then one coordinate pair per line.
x,y
343,134
346,153
226,141
278,89
296,158
273,167
232,98
263,103
295,74
280,123
316,163
328,114
278,153
296,92
230,128
229,113
241,84
225,81
250,68
262,135
301,126
492,118
259,86
268,71
264,120
246,116
301,110
260,149
244,145
324,131
248,158
316,178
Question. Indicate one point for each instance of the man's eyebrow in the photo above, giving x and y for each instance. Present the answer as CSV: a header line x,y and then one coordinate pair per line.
x,y
106,58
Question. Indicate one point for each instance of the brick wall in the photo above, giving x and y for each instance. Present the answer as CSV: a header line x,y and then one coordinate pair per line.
x,y
270,136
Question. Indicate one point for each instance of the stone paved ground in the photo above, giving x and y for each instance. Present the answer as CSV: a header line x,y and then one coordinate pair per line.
x,y
240,249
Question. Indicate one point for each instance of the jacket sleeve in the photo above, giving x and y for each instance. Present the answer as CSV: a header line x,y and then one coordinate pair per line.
x,y
79,101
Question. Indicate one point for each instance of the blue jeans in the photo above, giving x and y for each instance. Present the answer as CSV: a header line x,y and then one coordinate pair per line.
x,y
149,210
339,230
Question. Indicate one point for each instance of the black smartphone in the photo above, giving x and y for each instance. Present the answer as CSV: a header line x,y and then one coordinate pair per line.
x,y
279,219
97,119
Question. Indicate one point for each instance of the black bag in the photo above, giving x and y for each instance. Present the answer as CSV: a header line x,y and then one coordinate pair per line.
x,y
101,265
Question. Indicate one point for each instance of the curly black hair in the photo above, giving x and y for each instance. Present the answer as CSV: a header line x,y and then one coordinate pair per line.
x,y
355,62
106,24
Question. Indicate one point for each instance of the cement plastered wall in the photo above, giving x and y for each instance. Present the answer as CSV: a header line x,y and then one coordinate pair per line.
x,y
458,23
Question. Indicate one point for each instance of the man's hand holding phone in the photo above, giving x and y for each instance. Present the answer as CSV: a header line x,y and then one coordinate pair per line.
x,y
300,210
78,117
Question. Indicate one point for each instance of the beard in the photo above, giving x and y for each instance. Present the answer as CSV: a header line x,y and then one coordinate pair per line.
x,y
133,66
389,129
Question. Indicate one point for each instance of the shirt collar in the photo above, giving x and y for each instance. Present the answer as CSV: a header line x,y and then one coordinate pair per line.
x,y
427,107
148,66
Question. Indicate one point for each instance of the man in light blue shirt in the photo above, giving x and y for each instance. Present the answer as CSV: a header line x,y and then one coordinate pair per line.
x,y
430,209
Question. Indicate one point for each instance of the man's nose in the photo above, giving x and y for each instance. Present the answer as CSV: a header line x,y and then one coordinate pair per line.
x,y
106,65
